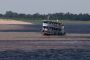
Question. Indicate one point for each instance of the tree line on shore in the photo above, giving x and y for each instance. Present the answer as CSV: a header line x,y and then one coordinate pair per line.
x,y
54,16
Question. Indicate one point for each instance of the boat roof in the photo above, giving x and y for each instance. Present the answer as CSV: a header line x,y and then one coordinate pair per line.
x,y
50,21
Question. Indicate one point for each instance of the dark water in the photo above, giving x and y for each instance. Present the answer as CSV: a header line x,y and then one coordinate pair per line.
x,y
77,28
52,54
69,28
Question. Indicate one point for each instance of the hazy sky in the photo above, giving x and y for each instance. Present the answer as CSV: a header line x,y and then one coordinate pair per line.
x,y
45,6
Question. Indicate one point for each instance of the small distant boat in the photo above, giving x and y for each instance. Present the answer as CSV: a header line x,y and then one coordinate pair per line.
x,y
52,28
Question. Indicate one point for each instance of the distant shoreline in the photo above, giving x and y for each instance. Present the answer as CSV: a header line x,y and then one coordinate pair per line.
x,y
40,21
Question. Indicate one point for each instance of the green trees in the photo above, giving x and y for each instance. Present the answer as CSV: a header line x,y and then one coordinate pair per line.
x,y
55,16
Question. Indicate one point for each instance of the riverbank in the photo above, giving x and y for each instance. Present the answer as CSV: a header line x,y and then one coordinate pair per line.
x,y
27,21
9,21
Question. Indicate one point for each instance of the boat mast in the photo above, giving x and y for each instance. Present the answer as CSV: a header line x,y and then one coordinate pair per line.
x,y
48,17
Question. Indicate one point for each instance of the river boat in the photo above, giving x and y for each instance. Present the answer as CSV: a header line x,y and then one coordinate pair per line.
x,y
52,28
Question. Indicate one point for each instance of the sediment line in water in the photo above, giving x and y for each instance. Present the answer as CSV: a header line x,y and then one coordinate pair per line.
x,y
39,36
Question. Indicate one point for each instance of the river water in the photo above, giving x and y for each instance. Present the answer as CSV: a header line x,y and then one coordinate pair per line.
x,y
53,54
57,54
69,28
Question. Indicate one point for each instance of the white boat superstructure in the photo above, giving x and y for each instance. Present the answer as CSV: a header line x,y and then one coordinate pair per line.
x,y
52,28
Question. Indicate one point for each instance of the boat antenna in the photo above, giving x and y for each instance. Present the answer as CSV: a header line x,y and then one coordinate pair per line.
x,y
57,20
48,17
